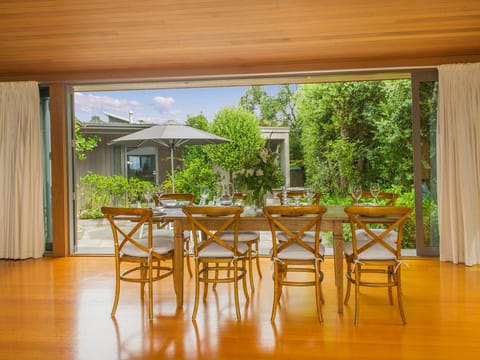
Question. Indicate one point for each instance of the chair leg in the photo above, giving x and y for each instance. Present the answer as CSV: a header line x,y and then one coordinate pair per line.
x,y
390,280
276,295
197,288
318,296
235,287
187,256
250,268
357,293
257,258
400,296
244,282
117,292
205,283
150,290
349,283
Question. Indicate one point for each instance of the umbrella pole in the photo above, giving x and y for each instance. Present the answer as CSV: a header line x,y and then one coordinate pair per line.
x,y
172,166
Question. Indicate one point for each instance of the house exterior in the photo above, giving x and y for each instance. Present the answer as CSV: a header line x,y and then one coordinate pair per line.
x,y
150,163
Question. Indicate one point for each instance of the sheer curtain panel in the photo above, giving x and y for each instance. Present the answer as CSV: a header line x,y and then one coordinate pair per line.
x,y
21,208
458,161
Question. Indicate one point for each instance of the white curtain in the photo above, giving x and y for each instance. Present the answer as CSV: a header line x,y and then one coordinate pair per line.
x,y
21,180
458,147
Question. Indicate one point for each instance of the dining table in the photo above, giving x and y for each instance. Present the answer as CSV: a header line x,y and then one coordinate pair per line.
x,y
332,221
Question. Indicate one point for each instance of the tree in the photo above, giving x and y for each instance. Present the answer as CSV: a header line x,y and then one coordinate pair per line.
x,y
82,143
356,131
243,129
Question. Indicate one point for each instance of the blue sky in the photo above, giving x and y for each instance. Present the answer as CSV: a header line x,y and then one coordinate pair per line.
x,y
157,106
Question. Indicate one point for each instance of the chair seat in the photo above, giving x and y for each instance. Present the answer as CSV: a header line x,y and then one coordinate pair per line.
x,y
297,252
161,245
243,236
214,250
376,252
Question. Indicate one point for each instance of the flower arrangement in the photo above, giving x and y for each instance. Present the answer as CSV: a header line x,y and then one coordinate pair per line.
x,y
261,173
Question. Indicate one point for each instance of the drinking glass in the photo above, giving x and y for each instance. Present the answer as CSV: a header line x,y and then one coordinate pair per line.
x,y
204,193
148,197
356,191
308,191
375,190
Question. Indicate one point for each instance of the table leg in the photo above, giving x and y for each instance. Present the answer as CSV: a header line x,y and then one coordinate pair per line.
x,y
338,262
179,263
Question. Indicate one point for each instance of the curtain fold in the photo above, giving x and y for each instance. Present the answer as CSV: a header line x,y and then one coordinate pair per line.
x,y
458,161
21,184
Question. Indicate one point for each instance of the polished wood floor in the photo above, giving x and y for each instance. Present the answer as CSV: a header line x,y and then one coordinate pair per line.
x,y
59,308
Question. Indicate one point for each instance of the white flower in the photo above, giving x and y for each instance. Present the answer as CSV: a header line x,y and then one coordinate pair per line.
x,y
249,172
259,172
263,154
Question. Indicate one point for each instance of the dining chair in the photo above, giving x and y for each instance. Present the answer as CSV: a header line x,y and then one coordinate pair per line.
x,y
138,258
374,252
189,199
295,255
384,198
252,239
291,194
211,251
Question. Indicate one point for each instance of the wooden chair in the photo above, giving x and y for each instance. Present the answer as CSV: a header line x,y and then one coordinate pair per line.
x,y
375,251
211,251
190,198
385,198
296,255
293,193
251,238
144,254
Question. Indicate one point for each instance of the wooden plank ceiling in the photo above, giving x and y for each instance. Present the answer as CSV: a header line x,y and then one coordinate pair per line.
x,y
105,40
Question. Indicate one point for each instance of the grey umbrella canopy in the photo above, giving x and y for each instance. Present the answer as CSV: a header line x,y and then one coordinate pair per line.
x,y
170,134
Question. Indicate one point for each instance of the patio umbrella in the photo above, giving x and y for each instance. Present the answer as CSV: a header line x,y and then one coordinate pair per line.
x,y
172,135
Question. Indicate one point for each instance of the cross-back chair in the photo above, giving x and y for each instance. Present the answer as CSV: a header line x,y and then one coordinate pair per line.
x,y
293,254
186,197
138,258
217,260
374,252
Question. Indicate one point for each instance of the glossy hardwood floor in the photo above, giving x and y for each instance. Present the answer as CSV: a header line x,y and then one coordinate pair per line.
x,y
59,308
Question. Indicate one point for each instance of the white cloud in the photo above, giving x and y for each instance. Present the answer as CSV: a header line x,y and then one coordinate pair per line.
x,y
97,105
163,104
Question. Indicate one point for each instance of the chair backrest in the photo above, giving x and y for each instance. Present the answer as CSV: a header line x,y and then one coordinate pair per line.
x,y
293,193
280,220
386,198
375,243
176,196
126,224
226,219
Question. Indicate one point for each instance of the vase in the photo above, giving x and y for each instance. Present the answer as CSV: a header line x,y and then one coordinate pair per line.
x,y
260,199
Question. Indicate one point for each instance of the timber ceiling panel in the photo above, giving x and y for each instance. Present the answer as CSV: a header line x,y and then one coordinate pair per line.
x,y
98,40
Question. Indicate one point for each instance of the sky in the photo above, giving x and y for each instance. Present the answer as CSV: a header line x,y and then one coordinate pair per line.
x,y
157,106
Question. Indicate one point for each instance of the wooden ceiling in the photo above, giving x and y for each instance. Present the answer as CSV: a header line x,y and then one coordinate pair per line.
x,y
80,41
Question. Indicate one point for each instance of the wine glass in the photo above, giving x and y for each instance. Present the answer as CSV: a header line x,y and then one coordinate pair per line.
x,y
356,192
204,193
308,191
148,197
375,190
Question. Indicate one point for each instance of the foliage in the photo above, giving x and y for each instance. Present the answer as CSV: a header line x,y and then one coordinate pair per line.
x,y
356,131
279,110
95,191
82,143
260,173
243,129
194,174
